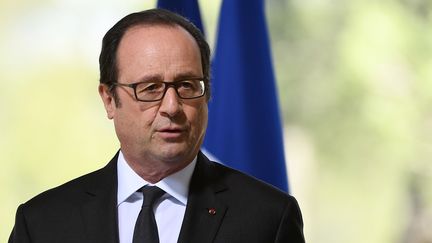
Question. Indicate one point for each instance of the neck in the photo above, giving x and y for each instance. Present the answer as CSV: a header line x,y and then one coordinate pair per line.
x,y
153,171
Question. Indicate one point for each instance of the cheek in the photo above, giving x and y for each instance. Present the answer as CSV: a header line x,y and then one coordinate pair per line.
x,y
204,118
135,120
147,116
201,117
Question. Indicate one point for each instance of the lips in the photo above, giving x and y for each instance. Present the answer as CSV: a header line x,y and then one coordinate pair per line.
x,y
171,129
170,133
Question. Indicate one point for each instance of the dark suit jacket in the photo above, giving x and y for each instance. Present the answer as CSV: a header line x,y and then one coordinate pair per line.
x,y
224,206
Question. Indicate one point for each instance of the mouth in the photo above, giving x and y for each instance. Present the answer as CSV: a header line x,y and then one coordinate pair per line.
x,y
171,133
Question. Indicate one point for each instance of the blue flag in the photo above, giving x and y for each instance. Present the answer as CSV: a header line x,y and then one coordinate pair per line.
x,y
244,129
186,8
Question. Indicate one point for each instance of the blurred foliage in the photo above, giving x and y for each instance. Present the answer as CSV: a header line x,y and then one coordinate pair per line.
x,y
355,86
356,78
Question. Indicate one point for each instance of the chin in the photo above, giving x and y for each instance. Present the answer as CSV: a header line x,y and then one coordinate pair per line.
x,y
174,155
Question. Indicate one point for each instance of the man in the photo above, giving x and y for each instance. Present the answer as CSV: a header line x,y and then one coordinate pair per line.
x,y
154,83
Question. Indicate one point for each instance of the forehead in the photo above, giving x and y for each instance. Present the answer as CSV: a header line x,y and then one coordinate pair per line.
x,y
156,34
161,52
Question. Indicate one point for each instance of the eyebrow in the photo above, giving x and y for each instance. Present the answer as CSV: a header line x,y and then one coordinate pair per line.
x,y
186,75
180,76
151,77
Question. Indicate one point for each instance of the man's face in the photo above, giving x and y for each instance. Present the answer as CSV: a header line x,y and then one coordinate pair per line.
x,y
168,131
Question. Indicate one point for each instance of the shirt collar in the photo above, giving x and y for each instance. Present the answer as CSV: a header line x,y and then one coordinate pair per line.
x,y
176,185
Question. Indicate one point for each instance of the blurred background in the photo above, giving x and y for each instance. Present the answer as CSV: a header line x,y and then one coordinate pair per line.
x,y
355,91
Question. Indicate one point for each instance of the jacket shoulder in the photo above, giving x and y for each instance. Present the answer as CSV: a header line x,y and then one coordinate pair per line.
x,y
76,190
266,213
237,185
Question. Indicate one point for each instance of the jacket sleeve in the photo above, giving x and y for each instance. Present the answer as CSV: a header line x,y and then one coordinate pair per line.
x,y
20,232
291,224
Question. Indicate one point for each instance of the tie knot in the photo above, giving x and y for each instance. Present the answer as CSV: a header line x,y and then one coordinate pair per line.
x,y
151,194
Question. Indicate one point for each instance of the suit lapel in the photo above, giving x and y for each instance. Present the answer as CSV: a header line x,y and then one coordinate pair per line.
x,y
100,217
203,216
204,212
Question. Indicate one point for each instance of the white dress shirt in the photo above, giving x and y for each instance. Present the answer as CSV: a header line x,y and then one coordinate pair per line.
x,y
169,209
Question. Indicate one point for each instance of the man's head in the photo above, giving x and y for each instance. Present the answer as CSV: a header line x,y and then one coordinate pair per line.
x,y
108,57
162,136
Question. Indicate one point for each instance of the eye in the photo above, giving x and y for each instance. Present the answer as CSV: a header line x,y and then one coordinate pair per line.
x,y
187,85
150,87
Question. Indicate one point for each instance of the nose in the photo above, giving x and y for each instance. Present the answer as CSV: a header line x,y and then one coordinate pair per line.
x,y
170,104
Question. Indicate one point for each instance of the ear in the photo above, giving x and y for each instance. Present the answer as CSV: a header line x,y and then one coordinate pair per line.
x,y
108,100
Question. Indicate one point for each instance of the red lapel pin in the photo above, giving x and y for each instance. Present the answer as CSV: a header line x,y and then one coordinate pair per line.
x,y
212,211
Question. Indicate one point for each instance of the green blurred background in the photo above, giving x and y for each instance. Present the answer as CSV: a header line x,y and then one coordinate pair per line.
x,y
355,89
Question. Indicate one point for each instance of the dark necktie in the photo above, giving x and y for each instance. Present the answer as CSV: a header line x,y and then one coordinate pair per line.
x,y
145,227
